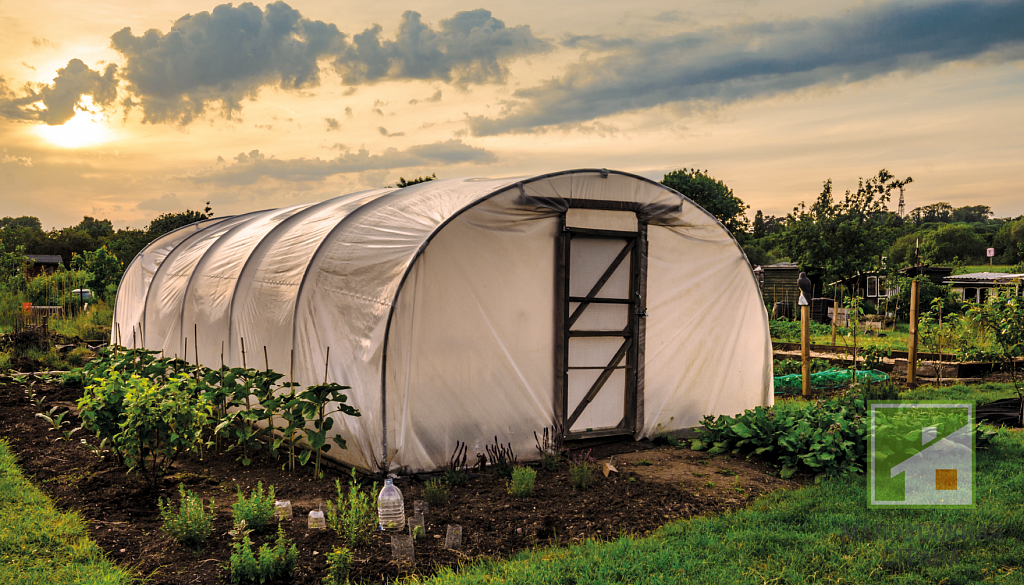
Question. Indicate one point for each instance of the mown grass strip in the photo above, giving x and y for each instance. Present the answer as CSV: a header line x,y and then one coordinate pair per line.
x,y
819,534
41,545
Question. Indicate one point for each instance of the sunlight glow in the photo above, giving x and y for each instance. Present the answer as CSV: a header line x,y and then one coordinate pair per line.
x,y
87,128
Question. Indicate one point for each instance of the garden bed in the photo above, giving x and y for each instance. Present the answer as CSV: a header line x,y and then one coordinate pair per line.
x,y
653,486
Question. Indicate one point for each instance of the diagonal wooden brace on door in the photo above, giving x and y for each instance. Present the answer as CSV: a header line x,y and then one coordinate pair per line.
x,y
599,383
601,281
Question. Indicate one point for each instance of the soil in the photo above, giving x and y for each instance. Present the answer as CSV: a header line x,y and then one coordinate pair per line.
x,y
653,485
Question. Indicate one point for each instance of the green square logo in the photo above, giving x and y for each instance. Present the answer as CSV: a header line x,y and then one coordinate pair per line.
x,y
921,454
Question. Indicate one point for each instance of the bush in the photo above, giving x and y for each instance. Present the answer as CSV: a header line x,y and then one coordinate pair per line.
x,y
190,524
257,511
272,563
522,482
339,561
435,493
581,470
355,517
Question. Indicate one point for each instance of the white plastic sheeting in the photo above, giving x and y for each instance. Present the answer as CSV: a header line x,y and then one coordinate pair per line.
x,y
438,305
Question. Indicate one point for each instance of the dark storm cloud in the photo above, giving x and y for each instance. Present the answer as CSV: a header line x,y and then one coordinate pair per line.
x,y
63,96
229,54
723,65
469,47
222,56
254,165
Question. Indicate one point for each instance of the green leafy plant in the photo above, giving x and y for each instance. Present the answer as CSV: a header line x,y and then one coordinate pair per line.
x,y
522,482
435,493
339,562
56,421
272,563
502,459
257,510
418,532
354,517
643,463
316,400
454,472
160,422
582,468
190,524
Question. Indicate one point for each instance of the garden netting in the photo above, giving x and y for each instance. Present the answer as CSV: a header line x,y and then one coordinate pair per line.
x,y
793,383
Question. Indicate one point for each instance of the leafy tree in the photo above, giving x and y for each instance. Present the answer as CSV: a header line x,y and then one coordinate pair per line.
x,y
403,183
127,243
842,238
167,222
951,242
104,271
905,251
1009,242
98,229
711,194
25,221
972,214
759,231
940,212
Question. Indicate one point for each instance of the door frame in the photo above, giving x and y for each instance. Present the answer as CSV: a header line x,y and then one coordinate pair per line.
x,y
633,418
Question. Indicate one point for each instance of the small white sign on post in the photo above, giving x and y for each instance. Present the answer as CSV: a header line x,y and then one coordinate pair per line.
x,y
990,252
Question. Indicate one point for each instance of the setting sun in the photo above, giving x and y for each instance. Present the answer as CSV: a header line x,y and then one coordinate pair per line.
x,y
86,128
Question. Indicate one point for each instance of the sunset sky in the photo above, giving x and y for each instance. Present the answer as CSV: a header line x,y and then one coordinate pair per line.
x,y
124,110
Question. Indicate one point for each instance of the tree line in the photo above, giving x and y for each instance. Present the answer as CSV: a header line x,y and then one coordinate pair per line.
x,y
858,231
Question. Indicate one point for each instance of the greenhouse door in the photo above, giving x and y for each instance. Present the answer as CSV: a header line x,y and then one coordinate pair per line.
x,y
601,322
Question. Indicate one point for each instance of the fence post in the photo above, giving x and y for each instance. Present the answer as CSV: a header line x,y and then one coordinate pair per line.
x,y
915,291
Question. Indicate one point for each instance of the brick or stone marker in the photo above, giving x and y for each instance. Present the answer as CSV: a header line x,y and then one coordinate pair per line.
x,y
453,540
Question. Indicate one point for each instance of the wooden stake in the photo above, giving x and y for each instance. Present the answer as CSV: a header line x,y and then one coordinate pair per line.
x,y
266,361
939,372
835,316
243,353
195,332
327,361
915,288
805,348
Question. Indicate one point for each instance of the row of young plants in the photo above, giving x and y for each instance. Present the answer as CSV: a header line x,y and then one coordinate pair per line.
x,y
825,438
353,516
147,411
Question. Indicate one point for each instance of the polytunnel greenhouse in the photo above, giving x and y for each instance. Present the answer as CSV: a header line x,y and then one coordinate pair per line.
x,y
464,309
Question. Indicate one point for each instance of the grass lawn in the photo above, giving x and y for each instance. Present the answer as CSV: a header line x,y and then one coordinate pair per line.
x,y
983,268
823,533
39,544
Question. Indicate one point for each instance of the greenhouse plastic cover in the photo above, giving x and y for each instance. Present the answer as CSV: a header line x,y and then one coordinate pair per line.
x,y
436,303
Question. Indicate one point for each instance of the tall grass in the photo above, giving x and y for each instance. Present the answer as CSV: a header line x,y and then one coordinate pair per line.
x,y
40,545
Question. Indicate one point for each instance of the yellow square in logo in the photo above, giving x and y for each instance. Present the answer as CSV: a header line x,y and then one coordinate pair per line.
x,y
945,479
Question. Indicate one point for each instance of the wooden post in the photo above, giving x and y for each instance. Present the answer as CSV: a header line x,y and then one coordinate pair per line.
x,y
835,315
912,338
805,348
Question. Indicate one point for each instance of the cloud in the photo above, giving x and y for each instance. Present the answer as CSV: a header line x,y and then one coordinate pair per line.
x,y
470,47
23,161
63,96
37,42
250,167
384,132
229,54
332,124
434,98
222,56
727,64
27,66
165,202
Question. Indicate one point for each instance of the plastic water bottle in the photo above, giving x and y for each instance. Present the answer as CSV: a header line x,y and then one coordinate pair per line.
x,y
390,507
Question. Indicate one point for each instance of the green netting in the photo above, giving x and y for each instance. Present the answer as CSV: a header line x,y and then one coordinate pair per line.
x,y
793,383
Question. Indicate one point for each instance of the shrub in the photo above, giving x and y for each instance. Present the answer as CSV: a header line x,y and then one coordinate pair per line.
x,y
522,482
190,524
272,563
339,561
581,470
257,511
355,517
435,493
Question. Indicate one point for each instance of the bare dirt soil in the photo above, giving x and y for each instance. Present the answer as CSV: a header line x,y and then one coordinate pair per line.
x,y
654,485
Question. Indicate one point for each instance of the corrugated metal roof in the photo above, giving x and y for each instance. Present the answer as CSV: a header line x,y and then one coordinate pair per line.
x,y
990,277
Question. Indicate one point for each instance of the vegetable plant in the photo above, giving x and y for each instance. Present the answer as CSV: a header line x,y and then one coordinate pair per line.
x,y
257,510
317,410
190,523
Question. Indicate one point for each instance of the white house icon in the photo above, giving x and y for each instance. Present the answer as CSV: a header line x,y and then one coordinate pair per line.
x,y
939,474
